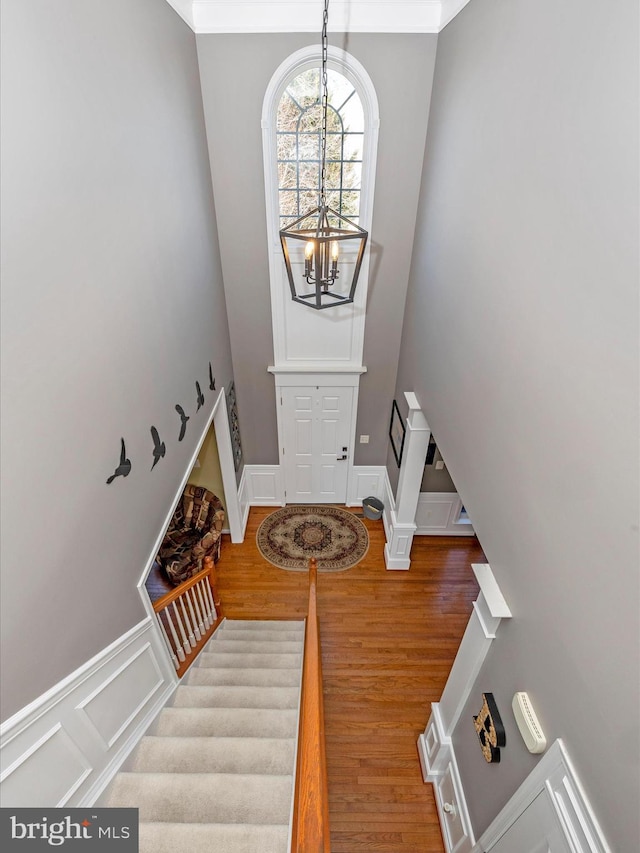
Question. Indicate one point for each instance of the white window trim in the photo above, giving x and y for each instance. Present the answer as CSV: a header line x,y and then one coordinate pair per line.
x,y
341,61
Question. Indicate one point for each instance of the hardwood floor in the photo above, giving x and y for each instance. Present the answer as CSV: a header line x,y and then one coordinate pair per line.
x,y
388,643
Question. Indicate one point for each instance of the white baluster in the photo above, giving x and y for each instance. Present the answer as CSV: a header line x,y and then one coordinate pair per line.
x,y
187,622
167,641
202,610
194,621
176,641
200,621
209,597
194,593
205,603
185,642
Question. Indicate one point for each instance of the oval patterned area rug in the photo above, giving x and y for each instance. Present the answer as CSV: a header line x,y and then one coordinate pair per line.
x,y
290,536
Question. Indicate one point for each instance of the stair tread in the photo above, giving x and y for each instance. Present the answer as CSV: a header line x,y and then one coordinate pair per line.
x,y
258,636
263,624
250,660
205,797
208,837
258,647
242,676
227,722
235,696
274,756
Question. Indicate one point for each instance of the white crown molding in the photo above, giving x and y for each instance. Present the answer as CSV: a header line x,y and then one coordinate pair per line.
x,y
185,9
282,16
448,10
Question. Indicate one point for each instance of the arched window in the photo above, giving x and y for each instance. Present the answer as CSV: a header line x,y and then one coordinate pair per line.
x,y
291,132
298,126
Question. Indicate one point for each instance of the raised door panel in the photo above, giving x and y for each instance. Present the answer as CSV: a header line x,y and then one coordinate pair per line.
x,y
316,429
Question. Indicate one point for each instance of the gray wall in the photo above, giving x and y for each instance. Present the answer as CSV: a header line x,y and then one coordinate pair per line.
x,y
401,68
521,343
112,307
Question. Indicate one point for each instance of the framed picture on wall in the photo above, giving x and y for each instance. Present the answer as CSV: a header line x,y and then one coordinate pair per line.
x,y
234,426
397,431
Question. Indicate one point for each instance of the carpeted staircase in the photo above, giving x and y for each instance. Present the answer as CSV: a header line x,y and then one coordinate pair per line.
x,y
217,773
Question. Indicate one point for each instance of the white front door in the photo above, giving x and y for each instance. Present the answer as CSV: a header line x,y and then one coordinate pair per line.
x,y
316,433
537,830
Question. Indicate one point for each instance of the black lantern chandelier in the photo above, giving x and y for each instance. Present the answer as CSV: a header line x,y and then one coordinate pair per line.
x,y
322,229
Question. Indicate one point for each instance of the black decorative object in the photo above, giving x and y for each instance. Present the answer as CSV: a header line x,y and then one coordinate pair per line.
x,y
397,431
124,468
183,421
431,451
212,381
234,426
159,448
200,397
489,728
322,230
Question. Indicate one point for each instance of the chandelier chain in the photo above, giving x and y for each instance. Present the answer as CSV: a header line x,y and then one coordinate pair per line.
x,y
325,103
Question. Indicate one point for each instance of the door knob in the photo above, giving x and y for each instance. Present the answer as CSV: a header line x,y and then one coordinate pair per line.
x,y
450,809
342,458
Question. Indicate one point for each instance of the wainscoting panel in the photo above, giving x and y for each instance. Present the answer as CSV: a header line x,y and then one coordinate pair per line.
x,y
132,685
439,514
46,774
262,485
366,481
64,748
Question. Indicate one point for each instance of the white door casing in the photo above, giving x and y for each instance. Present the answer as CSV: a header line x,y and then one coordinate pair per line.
x,y
316,449
537,830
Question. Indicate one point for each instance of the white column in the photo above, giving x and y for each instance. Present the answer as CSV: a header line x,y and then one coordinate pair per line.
x,y
402,519
488,611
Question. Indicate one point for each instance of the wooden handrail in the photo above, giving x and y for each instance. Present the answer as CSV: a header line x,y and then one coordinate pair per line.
x,y
207,570
310,833
188,621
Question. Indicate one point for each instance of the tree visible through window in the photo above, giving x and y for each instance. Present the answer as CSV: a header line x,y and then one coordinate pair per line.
x,y
299,124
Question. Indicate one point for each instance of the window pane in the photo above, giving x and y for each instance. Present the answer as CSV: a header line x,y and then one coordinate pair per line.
x,y
287,176
333,200
334,146
305,88
309,175
333,176
352,175
288,114
299,122
311,120
353,114
287,149
289,203
308,200
309,146
353,146
350,203
334,122
338,87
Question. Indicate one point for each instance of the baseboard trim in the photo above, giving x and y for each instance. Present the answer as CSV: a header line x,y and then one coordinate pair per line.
x,y
74,737
440,768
